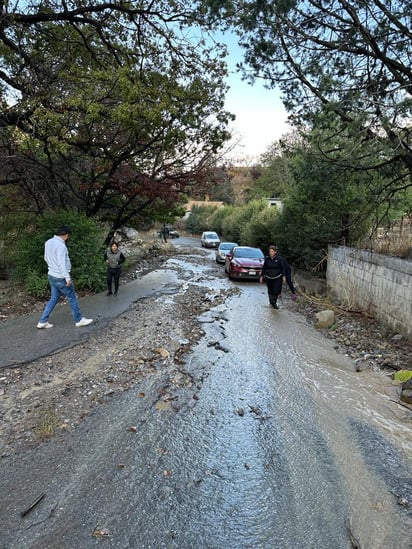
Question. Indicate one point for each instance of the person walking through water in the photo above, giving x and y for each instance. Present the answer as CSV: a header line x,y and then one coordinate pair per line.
x,y
114,258
57,258
273,273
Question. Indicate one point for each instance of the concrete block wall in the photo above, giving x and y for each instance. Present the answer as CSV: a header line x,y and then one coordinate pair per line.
x,y
376,283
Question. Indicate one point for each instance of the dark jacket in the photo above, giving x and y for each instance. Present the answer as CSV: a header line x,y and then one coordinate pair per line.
x,y
273,268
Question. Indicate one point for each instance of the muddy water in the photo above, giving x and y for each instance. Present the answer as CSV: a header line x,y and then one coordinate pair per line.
x,y
286,447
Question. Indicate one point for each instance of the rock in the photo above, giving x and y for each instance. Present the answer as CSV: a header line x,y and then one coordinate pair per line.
x,y
127,233
325,319
407,384
406,396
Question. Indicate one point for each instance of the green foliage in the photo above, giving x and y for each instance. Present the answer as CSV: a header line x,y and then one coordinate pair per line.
x,y
108,115
326,201
234,226
275,177
36,283
249,225
85,249
402,375
201,219
259,231
219,216
336,59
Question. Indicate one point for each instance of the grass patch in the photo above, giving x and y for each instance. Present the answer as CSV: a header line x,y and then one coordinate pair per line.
x,y
47,425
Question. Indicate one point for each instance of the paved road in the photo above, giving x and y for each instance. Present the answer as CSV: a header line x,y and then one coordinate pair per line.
x,y
22,342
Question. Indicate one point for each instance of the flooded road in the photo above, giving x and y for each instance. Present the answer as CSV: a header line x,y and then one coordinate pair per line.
x,y
283,446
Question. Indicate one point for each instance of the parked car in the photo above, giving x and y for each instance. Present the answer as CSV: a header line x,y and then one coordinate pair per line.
x,y
210,239
244,262
223,249
171,234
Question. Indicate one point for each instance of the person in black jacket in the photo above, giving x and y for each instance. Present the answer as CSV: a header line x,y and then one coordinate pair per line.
x,y
273,273
114,258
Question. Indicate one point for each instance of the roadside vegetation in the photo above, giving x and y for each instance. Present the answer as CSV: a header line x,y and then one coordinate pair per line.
x,y
114,114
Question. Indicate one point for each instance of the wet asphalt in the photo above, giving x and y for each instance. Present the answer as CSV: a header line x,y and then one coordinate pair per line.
x,y
22,342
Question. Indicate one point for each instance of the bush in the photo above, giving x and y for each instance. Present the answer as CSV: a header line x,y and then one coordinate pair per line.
x,y
259,231
235,225
36,284
201,219
86,248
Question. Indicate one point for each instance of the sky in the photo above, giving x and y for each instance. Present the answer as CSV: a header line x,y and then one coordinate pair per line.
x,y
261,118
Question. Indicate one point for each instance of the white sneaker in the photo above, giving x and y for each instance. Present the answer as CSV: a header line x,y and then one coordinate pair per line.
x,y
41,325
83,322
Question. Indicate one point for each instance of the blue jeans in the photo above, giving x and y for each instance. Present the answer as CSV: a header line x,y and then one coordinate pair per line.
x,y
59,288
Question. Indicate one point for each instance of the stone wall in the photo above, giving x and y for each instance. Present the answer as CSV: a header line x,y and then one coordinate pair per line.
x,y
309,284
378,284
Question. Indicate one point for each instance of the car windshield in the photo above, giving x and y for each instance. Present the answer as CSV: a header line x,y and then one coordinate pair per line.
x,y
212,236
252,253
227,246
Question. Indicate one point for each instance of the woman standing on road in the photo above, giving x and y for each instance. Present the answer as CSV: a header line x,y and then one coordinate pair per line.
x,y
273,273
114,258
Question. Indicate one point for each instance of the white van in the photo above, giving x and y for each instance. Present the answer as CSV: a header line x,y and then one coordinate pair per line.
x,y
210,239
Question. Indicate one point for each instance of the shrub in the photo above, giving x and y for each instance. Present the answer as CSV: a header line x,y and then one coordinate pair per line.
x,y
85,247
201,219
235,225
259,230
36,283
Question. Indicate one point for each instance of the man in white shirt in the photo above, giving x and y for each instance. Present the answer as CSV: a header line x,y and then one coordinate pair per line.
x,y
57,258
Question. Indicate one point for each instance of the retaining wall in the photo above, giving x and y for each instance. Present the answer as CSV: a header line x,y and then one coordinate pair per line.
x,y
376,283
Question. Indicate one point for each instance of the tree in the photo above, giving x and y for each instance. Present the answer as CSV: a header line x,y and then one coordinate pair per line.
x,y
275,177
323,205
110,108
235,224
346,60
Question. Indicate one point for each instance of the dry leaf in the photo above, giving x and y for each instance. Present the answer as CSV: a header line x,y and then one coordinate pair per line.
x,y
162,352
163,405
101,532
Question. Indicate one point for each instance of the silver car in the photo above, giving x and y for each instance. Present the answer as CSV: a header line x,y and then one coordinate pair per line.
x,y
223,249
210,239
